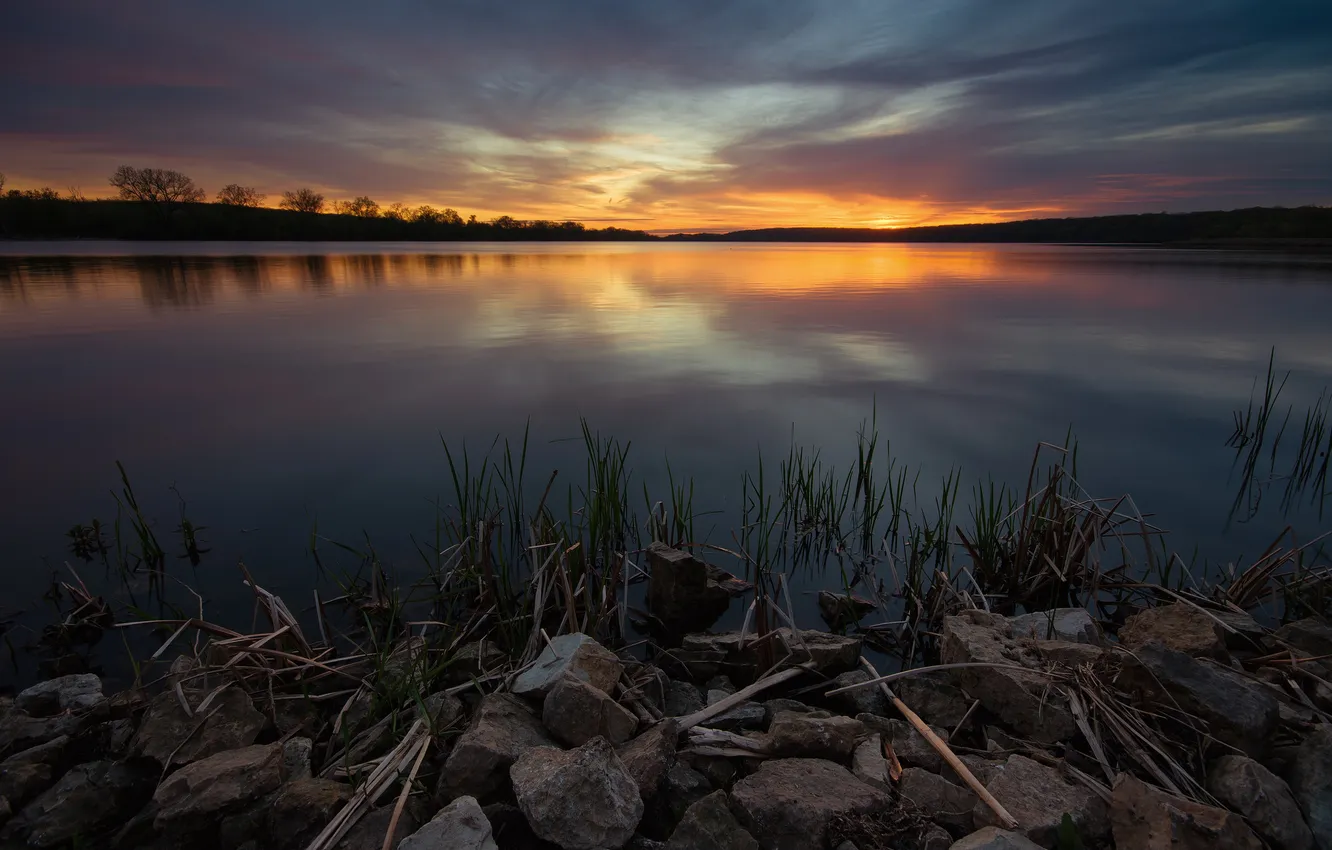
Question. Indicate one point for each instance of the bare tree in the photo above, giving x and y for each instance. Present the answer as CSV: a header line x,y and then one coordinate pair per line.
x,y
235,195
398,212
2,180
158,185
361,207
303,200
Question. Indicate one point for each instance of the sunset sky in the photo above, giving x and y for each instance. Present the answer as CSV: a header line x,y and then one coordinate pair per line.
x,y
686,114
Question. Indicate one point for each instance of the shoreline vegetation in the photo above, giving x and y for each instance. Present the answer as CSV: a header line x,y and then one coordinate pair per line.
x,y
155,204
1057,675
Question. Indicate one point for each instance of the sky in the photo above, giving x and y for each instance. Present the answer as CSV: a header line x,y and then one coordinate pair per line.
x,y
687,114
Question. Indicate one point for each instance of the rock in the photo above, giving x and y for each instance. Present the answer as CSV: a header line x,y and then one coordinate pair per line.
x,y
461,825
909,745
580,799
869,765
746,715
79,692
719,771
1250,789
982,768
1312,636
811,736
994,838
709,825
575,655
1064,653
27,774
680,788
840,610
1074,625
301,810
787,804
868,700
943,802
931,696
1238,710
229,722
1311,782
685,593
1146,818
1022,699
502,729
935,837
682,699
649,756
87,803
639,842
296,758
442,710
369,832
575,712
20,732
193,798
1183,628
1244,632
1039,797
475,659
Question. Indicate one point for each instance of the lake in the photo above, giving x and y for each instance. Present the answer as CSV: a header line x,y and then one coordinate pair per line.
x,y
279,388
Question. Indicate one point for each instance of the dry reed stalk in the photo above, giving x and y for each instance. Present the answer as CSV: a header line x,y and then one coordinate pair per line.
x,y
883,680
402,798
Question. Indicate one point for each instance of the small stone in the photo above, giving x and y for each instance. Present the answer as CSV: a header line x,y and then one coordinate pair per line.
x,y
194,797
461,825
1311,782
682,699
502,729
575,712
1180,627
1039,797
300,811
1074,625
580,799
443,710
787,804
943,802
773,707
296,758
649,756
575,655
1250,789
911,747
709,825
810,736
994,838
1062,653
867,700
840,610
167,732
1146,818
746,715
869,765
78,692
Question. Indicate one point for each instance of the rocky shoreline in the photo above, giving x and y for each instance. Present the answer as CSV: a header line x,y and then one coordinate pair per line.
x,y
1188,726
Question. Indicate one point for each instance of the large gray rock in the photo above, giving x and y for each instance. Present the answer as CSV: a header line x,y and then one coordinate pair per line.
x,y
88,803
195,798
25,775
1023,699
994,838
1071,624
77,692
1180,627
575,712
942,802
502,729
709,825
1039,797
1146,818
1311,781
461,825
1238,710
814,735
649,756
580,799
168,733
787,804
575,655
1245,786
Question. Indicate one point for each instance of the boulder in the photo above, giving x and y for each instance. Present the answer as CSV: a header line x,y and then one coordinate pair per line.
x,y
943,802
1312,636
1238,710
1183,628
1250,789
79,692
580,799
685,593
813,736
575,712
1146,818
994,838
461,825
682,699
931,696
787,804
869,765
574,655
1074,625
840,610
1039,797
167,732
19,732
502,729
1023,699
27,774
867,700
86,804
649,756
369,831
300,811
679,789
709,825
194,798
1311,782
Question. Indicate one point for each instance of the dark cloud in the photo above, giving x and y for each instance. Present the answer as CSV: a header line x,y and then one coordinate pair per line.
x,y
546,107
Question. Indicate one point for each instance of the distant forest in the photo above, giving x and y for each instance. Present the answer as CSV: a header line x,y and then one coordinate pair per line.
x,y
156,204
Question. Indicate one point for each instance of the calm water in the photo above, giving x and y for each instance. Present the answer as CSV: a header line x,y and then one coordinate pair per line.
x,y
279,385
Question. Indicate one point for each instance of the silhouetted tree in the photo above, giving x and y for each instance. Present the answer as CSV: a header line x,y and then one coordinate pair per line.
x,y
427,214
360,206
397,212
240,196
159,185
2,180
303,200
